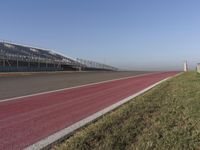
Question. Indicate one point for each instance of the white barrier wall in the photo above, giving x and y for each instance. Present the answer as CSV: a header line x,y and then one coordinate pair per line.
x,y
185,66
198,68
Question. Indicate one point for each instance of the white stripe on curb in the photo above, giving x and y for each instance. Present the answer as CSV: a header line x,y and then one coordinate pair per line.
x,y
64,132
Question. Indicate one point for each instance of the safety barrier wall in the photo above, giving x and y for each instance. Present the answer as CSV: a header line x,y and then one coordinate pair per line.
x,y
28,69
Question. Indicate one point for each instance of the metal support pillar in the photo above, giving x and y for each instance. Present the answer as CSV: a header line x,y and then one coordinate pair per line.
x,y
4,62
17,63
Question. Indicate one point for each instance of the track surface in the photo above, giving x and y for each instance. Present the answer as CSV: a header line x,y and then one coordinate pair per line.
x,y
14,86
27,120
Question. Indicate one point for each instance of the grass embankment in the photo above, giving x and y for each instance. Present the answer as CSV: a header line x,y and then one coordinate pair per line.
x,y
166,117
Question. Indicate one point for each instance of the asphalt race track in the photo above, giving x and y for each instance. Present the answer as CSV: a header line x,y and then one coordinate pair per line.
x,y
14,86
27,120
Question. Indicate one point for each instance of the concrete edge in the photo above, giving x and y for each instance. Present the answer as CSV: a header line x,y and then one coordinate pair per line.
x,y
62,133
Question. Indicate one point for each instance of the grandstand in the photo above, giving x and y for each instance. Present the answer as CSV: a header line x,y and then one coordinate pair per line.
x,y
15,57
21,58
92,65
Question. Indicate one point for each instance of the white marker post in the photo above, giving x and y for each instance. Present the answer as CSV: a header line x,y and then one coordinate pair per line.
x,y
198,68
185,66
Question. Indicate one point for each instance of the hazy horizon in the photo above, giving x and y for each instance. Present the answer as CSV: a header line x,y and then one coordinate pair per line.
x,y
133,35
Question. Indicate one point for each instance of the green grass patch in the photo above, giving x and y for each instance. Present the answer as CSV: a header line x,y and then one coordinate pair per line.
x,y
166,117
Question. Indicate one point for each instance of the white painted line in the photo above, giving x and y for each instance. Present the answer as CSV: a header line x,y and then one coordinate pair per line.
x,y
53,91
64,132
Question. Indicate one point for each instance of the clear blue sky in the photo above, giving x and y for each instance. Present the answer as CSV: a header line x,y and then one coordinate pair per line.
x,y
133,34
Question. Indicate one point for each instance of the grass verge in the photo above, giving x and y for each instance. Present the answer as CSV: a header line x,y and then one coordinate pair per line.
x,y
166,117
